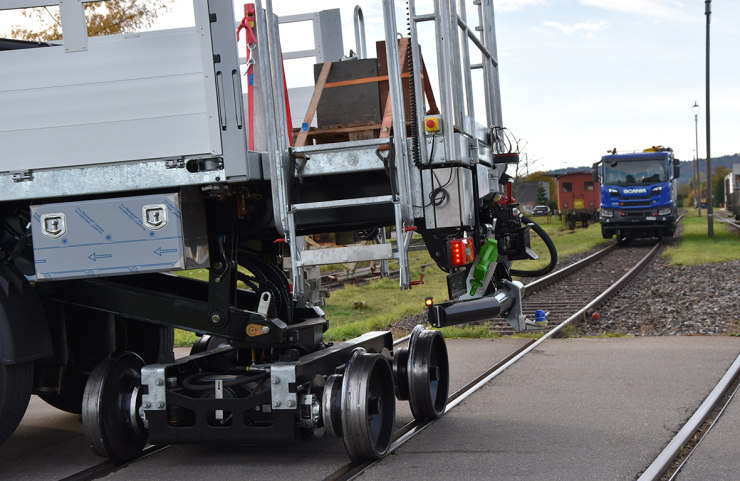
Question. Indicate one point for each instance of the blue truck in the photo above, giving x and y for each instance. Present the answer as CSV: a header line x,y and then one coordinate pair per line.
x,y
638,193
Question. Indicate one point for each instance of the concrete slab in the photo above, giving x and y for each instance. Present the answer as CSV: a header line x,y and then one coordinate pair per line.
x,y
574,409
50,444
716,457
313,458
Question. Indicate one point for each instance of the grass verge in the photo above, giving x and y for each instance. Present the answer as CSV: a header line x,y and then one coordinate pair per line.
x,y
385,304
696,247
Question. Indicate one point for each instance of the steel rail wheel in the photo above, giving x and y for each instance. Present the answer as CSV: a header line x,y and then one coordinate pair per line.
x,y
368,406
331,405
428,371
110,417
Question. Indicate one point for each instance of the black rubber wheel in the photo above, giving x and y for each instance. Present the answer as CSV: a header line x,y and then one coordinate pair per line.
x,y
110,408
621,238
16,381
145,339
368,406
428,374
71,391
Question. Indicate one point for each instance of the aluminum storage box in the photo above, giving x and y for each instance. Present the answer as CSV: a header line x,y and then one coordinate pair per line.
x,y
108,237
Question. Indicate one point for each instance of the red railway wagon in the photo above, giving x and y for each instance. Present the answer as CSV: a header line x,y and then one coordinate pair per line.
x,y
578,198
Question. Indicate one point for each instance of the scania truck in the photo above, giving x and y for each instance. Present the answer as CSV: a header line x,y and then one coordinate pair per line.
x,y
638,193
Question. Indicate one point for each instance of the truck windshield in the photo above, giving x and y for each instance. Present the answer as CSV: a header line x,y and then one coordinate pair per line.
x,y
635,171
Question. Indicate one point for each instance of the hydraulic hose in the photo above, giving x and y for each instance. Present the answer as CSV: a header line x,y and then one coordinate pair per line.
x,y
550,247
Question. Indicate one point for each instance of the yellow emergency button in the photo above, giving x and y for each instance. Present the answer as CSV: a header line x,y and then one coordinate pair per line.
x,y
431,124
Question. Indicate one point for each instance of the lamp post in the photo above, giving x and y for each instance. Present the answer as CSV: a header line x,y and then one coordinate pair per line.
x,y
710,190
697,175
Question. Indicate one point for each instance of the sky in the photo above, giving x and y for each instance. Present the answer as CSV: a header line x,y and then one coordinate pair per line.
x,y
578,77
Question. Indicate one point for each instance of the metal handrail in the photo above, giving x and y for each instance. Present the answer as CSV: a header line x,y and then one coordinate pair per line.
x,y
268,98
360,44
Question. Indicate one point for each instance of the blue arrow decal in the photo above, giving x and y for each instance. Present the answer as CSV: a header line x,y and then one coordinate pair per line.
x,y
95,257
161,251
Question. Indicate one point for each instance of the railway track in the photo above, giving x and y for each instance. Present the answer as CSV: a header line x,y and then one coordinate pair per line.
x,y
728,219
670,461
561,316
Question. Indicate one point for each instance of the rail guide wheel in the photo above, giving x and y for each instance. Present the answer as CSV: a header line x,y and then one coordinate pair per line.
x,y
110,408
360,406
422,373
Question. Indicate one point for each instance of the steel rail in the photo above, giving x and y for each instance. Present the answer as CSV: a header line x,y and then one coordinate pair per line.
x,y
550,279
666,457
408,431
111,466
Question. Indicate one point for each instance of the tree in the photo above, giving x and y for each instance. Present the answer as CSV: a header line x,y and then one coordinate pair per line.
x,y
103,18
718,184
542,198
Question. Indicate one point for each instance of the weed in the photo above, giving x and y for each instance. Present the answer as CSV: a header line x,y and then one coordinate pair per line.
x,y
570,331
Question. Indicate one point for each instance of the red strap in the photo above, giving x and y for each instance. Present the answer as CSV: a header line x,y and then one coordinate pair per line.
x,y
249,15
247,25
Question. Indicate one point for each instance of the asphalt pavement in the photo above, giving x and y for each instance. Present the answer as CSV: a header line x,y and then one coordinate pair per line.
x,y
573,409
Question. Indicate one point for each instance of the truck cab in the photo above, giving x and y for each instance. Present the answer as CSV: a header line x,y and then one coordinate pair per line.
x,y
638,194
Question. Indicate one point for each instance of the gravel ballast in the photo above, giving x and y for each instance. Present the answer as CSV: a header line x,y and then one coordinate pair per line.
x,y
662,301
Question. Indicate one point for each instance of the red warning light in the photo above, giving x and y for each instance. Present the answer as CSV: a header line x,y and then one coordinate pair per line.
x,y
461,252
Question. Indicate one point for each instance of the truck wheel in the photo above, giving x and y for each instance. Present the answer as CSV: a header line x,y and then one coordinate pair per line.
x,y
70,394
622,238
145,339
606,235
16,382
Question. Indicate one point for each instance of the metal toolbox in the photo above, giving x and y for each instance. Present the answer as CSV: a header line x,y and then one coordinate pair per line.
x,y
107,237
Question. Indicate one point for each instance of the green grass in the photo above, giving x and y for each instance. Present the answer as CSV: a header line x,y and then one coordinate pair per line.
x,y
384,301
470,332
184,338
696,247
567,242
386,304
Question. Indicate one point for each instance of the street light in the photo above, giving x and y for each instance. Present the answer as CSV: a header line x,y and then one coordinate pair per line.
x,y
697,175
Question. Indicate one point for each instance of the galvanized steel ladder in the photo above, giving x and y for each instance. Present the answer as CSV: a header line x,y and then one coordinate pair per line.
x,y
453,112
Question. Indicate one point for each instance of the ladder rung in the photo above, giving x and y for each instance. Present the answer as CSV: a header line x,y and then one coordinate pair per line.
x,y
330,204
341,255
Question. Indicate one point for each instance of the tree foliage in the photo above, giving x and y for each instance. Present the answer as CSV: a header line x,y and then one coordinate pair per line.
x,y
103,18
542,197
718,179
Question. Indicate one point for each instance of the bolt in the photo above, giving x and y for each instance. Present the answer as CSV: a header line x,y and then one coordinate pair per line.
x,y
146,405
158,382
276,404
265,329
218,265
215,319
160,404
290,404
276,380
429,141
290,338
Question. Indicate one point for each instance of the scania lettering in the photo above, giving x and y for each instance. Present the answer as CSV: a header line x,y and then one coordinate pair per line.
x,y
638,193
